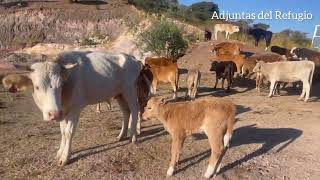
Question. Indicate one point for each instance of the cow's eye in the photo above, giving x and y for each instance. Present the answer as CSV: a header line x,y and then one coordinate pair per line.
x,y
37,87
50,87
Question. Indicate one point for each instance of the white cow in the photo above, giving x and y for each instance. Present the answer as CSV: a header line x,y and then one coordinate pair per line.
x,y
228,28
76,79
287,71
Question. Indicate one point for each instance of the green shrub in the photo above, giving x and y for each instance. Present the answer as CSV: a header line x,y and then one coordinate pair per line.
x,y
163,38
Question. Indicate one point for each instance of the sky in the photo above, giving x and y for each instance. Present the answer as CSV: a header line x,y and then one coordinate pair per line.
x,y
256,6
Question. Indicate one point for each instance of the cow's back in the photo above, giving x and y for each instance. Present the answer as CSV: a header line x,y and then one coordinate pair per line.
x,y
101,75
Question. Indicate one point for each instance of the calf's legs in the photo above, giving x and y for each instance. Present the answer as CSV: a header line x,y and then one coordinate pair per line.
x,y
177,143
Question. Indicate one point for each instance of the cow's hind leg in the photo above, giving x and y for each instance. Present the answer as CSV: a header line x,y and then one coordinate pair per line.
x,y
173,84
72,122
217,151
272,86
98,109
307,90
132,100
126,114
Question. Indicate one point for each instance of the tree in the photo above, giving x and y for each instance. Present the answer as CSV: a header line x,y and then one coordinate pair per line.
x,y
203,10
152,5
261,26
163,38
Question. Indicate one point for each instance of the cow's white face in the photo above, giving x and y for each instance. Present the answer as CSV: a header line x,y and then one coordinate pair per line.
x,y
257,68
47,79
47,87
236,29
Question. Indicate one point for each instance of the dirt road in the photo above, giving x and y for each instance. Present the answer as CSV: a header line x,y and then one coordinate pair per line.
x,y
275,138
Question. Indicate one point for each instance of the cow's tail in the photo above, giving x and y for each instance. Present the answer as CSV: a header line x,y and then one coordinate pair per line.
x,y
312,72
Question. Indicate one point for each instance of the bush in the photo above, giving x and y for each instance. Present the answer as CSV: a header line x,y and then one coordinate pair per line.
x,y
151,5
163,38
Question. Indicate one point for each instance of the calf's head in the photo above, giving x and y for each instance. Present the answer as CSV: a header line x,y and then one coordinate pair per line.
x,y
258,67
47,79
214,66
152,108
235,28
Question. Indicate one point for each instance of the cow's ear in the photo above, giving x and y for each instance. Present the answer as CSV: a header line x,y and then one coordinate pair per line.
x,y
66,70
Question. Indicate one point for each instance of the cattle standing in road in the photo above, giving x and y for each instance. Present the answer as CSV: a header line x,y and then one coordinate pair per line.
x,y
227,28
226,48
213,116
224,70
258,34
207,35
76,79
193,81
288,71
281,51
163,70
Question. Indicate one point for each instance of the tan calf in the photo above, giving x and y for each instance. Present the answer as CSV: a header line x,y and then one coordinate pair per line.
x,y
16,82
213,116
193,81
165,74
226,48
237,59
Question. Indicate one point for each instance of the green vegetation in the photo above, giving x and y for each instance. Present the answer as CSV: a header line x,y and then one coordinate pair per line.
x,y
164,38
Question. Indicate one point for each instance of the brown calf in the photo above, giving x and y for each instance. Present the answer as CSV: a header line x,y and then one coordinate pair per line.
x,y
213,116
226,48
237,59
16,82
166,74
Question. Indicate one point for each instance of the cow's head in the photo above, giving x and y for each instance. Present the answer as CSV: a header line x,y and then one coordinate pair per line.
x,y
214,65
152,108
46,79
258,67
235,28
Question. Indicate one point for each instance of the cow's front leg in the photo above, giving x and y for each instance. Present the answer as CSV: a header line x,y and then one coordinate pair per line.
x,y
69,131
215,85
272,85
63,125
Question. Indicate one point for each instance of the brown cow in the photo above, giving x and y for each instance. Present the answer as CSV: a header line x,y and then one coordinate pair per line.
x,y
162,70
213,116
226,48
237,59
250,62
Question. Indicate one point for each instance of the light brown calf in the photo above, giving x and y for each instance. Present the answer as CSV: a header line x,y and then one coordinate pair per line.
x,y
98,109
193,81
165,74
237,59
213,116
226,48
16,82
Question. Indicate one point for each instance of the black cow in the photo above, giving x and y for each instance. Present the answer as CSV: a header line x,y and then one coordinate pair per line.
x,y
258,33
305,53
224,70
207,35
281,51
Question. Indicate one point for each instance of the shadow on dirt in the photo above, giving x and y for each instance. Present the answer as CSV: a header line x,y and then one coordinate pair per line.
x,y
92,2
156,131
268,137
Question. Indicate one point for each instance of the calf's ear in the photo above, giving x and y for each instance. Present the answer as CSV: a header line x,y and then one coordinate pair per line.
x,y
66,70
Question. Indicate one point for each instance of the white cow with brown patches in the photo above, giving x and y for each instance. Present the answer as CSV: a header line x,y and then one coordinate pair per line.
x,y
76,79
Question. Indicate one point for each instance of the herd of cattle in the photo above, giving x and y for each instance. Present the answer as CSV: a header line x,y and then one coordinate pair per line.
x,y
64,86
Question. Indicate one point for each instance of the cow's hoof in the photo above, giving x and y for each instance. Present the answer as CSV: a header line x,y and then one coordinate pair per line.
x,y
134,139
170,171
62,161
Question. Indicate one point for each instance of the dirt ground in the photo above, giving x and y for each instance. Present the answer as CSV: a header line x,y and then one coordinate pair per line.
x,y
274,138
